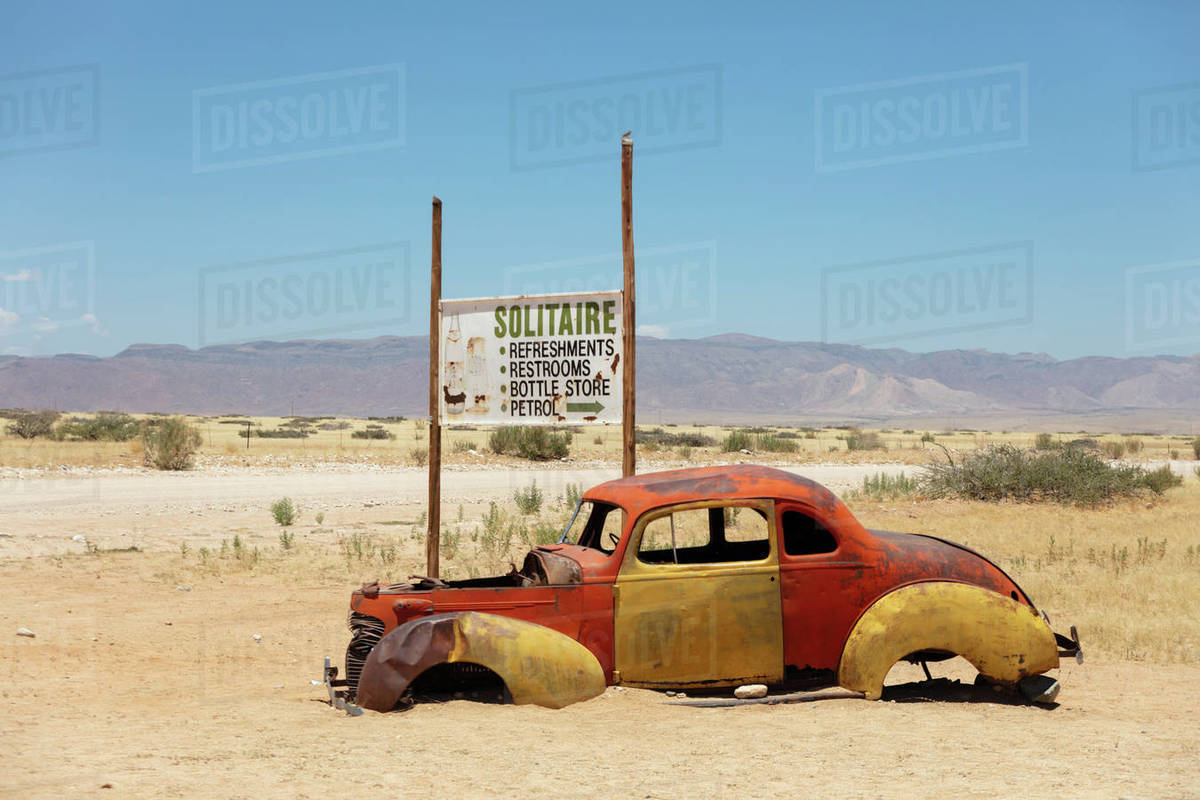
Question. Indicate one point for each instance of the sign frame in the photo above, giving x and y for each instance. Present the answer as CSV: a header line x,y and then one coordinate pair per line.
x,y
605,415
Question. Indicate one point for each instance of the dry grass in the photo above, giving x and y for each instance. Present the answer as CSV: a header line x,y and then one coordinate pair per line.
x,y
1127,576
225,443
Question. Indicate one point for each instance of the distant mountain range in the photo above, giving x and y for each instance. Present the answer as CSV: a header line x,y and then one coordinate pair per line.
x,y
729,378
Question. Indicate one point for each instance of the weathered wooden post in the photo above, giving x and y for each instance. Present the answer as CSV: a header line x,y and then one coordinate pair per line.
x,y
628,416
433,535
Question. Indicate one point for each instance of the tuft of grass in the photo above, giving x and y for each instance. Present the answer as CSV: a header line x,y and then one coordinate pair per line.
x,y
737,441
774,443
882,486
284,511
858,439
1044,441
529,499
419,455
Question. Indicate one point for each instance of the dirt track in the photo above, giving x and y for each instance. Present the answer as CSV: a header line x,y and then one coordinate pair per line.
x,y
165,693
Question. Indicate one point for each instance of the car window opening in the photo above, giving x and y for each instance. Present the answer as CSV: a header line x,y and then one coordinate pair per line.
x,y
804,536
721,534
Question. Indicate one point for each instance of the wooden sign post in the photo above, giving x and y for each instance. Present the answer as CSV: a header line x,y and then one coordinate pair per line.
x,y
469,387
433,534
628,429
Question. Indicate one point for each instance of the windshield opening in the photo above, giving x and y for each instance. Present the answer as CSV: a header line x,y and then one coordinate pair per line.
x,y
595,525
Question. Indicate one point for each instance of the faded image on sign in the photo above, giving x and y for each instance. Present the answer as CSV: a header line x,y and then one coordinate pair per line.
x,y
532,360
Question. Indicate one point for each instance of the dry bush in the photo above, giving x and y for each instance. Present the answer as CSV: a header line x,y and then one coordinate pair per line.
x,y
32,424
171,444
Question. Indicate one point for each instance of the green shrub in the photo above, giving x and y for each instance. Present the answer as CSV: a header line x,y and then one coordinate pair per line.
x,y
32,424
284,511
737,441
773,443
373,432
281,433
670,439
544,533
1161,479
106,426
863,440
530,442
1045,441
1069,475
1133,446
573,494
528,500
926,437
171,444
419,455
1196,447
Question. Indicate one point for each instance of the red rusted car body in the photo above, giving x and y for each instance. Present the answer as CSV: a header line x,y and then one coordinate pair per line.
x,y
778,583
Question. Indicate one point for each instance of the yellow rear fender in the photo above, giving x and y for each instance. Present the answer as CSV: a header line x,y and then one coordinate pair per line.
x,y
538,665
1003,639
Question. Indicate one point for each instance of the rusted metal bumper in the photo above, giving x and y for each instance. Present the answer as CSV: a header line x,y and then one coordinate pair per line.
x,y
1069,647
337,690
537,665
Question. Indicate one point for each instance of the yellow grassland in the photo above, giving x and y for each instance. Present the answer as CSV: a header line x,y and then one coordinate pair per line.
x,y
223,440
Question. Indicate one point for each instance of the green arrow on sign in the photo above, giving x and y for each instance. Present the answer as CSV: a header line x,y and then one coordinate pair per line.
x,y
593,407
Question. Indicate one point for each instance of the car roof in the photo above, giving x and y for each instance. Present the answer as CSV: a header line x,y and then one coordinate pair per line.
x,y
655,489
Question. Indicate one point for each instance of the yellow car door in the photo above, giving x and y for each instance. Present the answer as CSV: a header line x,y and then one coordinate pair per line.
x,y
697,599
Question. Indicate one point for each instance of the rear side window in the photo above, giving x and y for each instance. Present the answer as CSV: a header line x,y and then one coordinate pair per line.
x,y
804,536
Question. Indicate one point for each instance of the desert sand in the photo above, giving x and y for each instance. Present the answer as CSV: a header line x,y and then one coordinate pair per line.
x,y
145,679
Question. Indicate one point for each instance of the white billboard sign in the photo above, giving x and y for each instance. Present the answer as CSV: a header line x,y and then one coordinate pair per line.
x,y
532,360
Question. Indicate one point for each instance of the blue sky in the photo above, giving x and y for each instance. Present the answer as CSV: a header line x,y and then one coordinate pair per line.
x,y
1048,174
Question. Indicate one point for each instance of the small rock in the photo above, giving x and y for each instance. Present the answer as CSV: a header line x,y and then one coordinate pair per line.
x,y
258,637
745,452
183,588
750,691
680,694
79,537
26,633
670,693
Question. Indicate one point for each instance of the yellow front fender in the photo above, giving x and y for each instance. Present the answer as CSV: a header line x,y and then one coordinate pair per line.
x,y
538,665
1003,639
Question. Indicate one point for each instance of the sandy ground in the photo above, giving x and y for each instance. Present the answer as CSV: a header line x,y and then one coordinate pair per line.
x,y
135,684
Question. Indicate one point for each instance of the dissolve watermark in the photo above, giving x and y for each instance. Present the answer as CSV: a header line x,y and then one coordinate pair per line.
x,y
311,294
676,286
1162,305
45,289
569,123
52,109
961,290
1166,126
307,116
912,119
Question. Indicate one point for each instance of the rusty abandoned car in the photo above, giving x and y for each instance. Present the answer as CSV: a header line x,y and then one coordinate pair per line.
x,y
699,579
